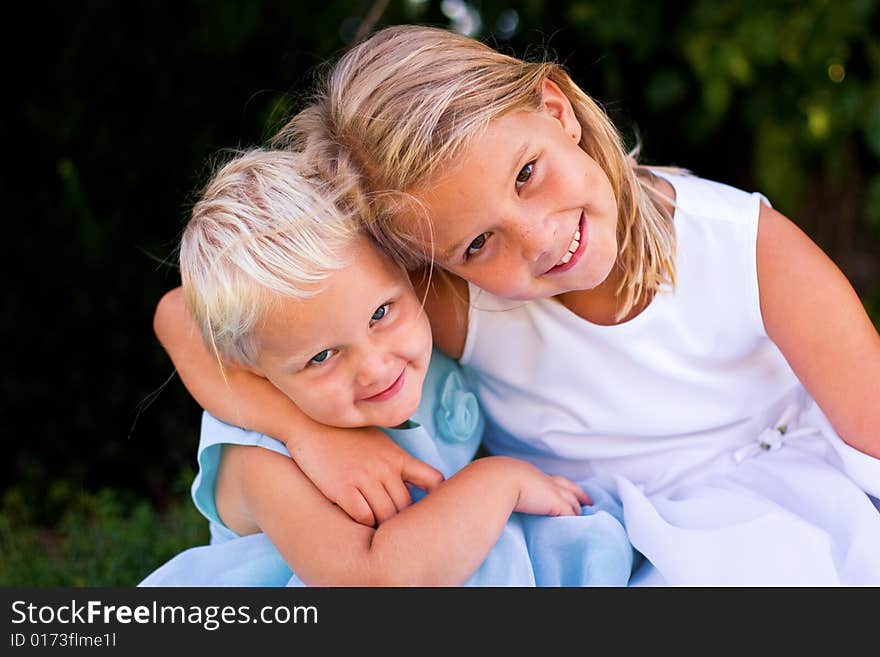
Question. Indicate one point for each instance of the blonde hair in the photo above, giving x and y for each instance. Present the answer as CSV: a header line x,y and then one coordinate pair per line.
x,y
264,226
410,99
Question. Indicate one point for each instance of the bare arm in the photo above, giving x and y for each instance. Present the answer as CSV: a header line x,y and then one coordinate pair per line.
x,y
440,541
362,470
244,399
815,317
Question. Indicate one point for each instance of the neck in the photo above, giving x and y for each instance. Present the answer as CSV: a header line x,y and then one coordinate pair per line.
x,y
601,304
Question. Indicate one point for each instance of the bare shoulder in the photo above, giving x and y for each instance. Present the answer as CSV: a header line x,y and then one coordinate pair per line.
x,y
794,274
790,265
804,296
268,489
446,302
263,490
242,469
231,507
251,464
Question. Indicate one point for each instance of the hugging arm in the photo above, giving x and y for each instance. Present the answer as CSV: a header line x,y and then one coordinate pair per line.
x,y
361,470
813,315
440,541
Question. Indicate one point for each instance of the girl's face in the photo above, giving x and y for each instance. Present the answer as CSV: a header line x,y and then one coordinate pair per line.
x,y
356,354
526,213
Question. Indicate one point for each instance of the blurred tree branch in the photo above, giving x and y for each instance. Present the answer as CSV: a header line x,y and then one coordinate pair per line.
x,y
370,20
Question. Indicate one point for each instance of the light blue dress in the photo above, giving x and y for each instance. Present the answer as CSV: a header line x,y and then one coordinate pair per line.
x,y
445,432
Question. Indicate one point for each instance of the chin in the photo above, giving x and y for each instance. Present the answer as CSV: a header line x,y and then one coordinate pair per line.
x,y
596,278
390,421
402,411
598,269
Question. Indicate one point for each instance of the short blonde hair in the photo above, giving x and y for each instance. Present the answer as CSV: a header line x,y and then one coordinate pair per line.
x,y
264,226
409,99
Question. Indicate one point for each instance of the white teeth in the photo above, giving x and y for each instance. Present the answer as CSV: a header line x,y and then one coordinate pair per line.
x,y
575,243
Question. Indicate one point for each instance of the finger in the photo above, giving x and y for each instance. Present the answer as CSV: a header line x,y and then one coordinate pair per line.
x,y
399,493
573,502
420,474
582,497
355,505
569,501
566,506
579,492
380,502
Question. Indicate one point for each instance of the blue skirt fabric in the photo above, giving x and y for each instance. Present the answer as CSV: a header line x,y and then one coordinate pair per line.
x,y
587,550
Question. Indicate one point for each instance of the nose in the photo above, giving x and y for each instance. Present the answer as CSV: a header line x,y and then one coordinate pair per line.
x,y
372,365
537,237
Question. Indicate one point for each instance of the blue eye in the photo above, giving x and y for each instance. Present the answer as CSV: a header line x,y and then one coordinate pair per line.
x,y
320,357
525,173
381,311
478,243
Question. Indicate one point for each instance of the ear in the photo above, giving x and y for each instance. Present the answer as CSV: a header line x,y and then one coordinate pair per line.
x,y
555,103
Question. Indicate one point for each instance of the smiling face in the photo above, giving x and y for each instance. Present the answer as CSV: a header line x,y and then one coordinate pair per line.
x,y
356,354
526,213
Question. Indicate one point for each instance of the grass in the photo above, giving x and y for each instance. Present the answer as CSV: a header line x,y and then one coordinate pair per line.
x,y
103,538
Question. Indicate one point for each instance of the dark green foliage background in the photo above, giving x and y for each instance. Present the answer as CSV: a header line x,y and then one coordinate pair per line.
x,y
115,108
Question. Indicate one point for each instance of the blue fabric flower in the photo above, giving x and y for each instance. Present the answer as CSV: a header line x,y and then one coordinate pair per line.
x,y
458,413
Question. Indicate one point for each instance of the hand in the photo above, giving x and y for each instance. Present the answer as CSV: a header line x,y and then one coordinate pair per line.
x,y
363,471
548,495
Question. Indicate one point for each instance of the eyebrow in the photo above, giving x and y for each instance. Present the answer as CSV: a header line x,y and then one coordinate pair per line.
x,y
297,361
449,253
301,357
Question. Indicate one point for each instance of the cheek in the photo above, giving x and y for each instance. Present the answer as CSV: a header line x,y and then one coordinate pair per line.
x,y
485,272
507,278
602,192
426,343
413,338
320,396
573,177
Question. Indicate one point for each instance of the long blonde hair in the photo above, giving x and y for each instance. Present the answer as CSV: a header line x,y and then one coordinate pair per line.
x,y
409,99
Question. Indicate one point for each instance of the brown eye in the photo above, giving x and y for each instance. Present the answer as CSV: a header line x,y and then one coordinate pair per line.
x,y
525,173
478,243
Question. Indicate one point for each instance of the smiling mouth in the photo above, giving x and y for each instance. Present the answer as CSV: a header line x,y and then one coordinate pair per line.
x,y
390,391
575,248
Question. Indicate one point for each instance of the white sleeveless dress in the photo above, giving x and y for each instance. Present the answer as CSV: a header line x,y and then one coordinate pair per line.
x,y
678,411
